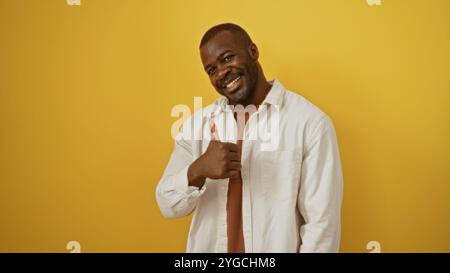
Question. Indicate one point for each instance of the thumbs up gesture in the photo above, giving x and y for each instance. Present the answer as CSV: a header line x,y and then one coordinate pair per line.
x,y
220,160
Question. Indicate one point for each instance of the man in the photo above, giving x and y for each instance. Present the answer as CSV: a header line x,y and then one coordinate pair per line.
x,y
247,196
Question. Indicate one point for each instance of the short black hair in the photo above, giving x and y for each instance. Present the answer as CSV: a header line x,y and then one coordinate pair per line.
x,y
233,28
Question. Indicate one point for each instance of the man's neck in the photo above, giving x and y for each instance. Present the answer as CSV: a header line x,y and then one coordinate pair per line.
x,y
261,91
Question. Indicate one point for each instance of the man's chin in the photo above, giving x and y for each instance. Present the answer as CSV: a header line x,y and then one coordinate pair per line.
x,y
238,97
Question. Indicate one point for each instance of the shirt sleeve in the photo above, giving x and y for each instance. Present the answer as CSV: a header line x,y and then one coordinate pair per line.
x,y
321,188
174,196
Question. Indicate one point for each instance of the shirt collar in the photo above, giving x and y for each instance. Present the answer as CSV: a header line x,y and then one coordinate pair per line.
x,y
276,94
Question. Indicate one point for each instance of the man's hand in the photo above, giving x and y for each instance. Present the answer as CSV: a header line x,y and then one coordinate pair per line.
x,y
220,160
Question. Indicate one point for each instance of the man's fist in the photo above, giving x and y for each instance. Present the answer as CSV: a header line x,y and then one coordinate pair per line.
x,y
220,160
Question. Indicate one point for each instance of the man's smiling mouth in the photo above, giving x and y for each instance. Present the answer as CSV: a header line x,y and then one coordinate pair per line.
x,y
232,85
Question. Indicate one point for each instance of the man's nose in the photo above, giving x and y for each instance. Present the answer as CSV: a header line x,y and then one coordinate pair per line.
x,y
222,72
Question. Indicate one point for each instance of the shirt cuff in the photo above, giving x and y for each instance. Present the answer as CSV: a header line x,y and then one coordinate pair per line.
x,y
182,184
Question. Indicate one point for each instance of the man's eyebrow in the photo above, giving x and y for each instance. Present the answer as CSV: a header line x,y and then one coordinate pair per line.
x,y
218,57
223,53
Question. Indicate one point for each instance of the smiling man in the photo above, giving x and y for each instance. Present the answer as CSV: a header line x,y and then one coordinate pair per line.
x,y
243,196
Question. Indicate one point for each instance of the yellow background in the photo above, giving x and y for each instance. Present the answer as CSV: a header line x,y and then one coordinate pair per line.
x,y
86,93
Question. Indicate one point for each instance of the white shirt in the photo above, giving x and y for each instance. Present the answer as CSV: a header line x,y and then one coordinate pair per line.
x,y
292,193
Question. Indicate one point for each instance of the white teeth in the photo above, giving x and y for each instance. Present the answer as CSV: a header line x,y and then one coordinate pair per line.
x,y
233,82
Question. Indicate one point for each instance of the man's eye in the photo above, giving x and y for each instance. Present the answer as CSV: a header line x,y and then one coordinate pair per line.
x,y
210,71
228,58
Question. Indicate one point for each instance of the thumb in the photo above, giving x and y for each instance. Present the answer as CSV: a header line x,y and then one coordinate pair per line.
x,y
214,134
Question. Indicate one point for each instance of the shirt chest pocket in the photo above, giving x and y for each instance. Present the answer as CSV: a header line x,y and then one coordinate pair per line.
x,y
279,174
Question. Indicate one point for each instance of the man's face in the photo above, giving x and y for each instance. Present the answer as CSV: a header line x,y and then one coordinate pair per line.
x,y
231,66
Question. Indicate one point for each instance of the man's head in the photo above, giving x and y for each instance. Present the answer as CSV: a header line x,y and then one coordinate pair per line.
x,y
230,59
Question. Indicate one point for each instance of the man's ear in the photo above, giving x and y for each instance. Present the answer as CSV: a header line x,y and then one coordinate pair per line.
x,y
253,51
